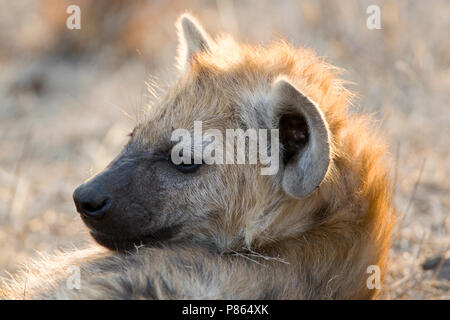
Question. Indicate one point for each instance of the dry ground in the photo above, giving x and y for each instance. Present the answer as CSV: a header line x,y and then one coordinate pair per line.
x,y
65,97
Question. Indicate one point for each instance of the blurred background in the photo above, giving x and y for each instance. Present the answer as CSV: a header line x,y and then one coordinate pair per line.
x,y
68,98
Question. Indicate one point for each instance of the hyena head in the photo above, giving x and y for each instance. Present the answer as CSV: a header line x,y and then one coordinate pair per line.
x,y
145,197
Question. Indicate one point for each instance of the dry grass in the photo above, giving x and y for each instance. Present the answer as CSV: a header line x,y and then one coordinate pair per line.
x,y
63,96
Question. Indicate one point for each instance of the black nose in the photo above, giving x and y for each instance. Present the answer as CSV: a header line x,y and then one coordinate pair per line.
x,y
91,202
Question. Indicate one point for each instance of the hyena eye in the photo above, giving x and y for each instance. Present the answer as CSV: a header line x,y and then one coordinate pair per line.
x,y
186,167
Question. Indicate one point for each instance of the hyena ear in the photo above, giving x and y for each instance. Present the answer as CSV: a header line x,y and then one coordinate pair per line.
x,y
192,39
304,139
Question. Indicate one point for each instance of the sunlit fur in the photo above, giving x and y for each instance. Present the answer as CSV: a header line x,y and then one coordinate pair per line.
x,y
260,243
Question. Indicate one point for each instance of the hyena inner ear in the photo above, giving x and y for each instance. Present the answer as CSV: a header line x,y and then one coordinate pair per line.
x,y
304,139
192,39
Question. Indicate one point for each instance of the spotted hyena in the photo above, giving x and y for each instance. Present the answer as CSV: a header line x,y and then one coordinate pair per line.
x,y
313,229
